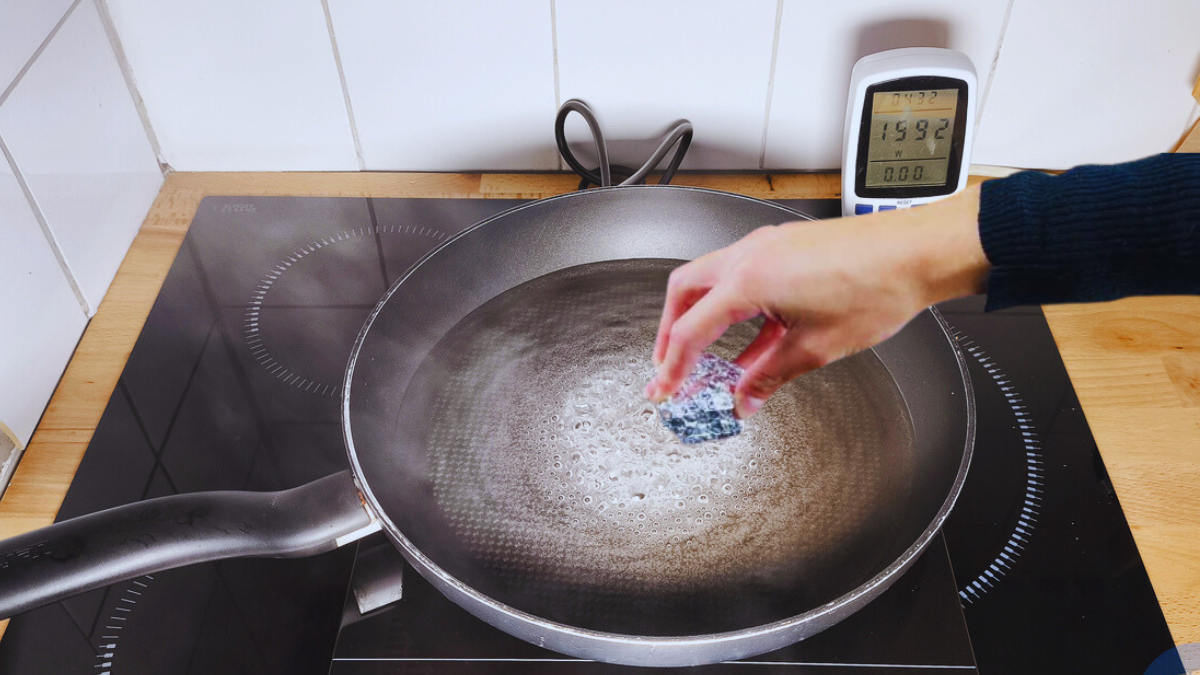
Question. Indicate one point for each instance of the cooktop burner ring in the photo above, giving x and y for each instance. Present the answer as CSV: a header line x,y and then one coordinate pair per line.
x,y
253,334
1022,530
106,647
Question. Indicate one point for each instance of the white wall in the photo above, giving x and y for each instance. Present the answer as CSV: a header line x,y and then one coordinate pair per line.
x,y
77,176
471,84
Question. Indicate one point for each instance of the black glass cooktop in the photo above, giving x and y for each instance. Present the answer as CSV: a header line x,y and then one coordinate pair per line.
x,y
233,384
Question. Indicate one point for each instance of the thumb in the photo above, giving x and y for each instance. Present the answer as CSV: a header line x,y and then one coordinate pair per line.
x,y
785,360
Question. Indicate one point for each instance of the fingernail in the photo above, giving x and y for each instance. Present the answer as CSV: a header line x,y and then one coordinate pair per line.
x,y
649,391
748,406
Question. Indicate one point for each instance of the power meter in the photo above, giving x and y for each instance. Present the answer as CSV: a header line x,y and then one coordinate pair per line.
x,y
910,120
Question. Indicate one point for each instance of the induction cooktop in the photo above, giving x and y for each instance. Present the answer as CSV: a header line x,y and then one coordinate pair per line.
x,y
234,384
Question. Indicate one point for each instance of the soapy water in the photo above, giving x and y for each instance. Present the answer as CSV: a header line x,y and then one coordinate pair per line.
x,y
547,461
611,455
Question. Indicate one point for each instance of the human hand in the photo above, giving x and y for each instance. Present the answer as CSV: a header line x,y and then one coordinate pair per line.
x,y
826,290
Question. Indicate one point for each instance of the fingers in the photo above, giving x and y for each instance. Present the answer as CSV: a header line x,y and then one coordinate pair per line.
x,y
678,302
685,287
768,335
786,358
699,327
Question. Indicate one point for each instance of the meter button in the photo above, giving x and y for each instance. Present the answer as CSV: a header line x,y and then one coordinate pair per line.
x,y
887,208
860,209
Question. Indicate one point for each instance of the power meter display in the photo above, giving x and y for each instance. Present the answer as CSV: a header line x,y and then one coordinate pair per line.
x,y
909,124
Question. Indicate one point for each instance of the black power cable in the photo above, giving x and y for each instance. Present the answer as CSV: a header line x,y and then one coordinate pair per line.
x,y
681,133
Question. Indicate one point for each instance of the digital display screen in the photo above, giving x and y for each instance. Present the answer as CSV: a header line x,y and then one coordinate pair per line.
x,y
911,135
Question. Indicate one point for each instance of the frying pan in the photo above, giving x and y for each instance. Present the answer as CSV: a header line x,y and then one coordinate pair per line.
x,y
496,434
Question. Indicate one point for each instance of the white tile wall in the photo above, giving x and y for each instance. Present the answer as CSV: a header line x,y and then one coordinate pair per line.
x,y
24,24
76,137
643,65
819,44
42,318
472,85
450,86
239,86
1090,82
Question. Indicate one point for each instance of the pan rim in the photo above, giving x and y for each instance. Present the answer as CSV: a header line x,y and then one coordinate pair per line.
x,y
428,568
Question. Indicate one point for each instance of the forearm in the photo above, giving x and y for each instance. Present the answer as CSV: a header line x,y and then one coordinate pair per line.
x,y
950,257
935,249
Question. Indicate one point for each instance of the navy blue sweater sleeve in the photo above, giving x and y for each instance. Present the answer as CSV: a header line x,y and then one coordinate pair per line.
x,y
1093,233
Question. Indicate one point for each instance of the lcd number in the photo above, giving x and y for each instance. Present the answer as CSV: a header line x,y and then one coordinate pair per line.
x,y
900,133
890,174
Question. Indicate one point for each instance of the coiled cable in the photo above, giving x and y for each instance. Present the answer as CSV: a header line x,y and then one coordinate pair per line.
x,y
680,134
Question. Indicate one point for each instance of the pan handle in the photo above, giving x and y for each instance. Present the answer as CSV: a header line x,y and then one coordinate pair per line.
x,y
77,555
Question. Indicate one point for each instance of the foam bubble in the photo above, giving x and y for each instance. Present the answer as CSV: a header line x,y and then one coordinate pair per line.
x,y
620,454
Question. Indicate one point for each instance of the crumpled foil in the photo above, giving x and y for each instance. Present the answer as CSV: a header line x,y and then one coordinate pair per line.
x,y
702,409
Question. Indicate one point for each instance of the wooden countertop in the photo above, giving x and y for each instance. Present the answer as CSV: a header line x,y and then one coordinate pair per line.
x,y
1135,363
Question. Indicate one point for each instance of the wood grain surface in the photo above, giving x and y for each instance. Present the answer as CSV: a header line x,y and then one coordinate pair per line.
x,y
1135,363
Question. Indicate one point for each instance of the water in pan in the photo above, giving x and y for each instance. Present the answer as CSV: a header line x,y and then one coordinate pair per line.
x,y
548,463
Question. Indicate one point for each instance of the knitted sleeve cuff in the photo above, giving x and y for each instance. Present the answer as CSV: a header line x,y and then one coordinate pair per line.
x,y
1093,233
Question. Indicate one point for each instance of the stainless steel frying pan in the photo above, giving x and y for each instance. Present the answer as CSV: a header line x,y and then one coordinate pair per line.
x,y
496,432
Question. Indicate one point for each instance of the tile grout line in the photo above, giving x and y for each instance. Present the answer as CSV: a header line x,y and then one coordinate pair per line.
x,y
118,48
36,53
337,60
991,76
554,54
762,153
46,231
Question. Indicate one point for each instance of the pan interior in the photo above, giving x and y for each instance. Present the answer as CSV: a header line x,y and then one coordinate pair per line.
x,y
553,487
